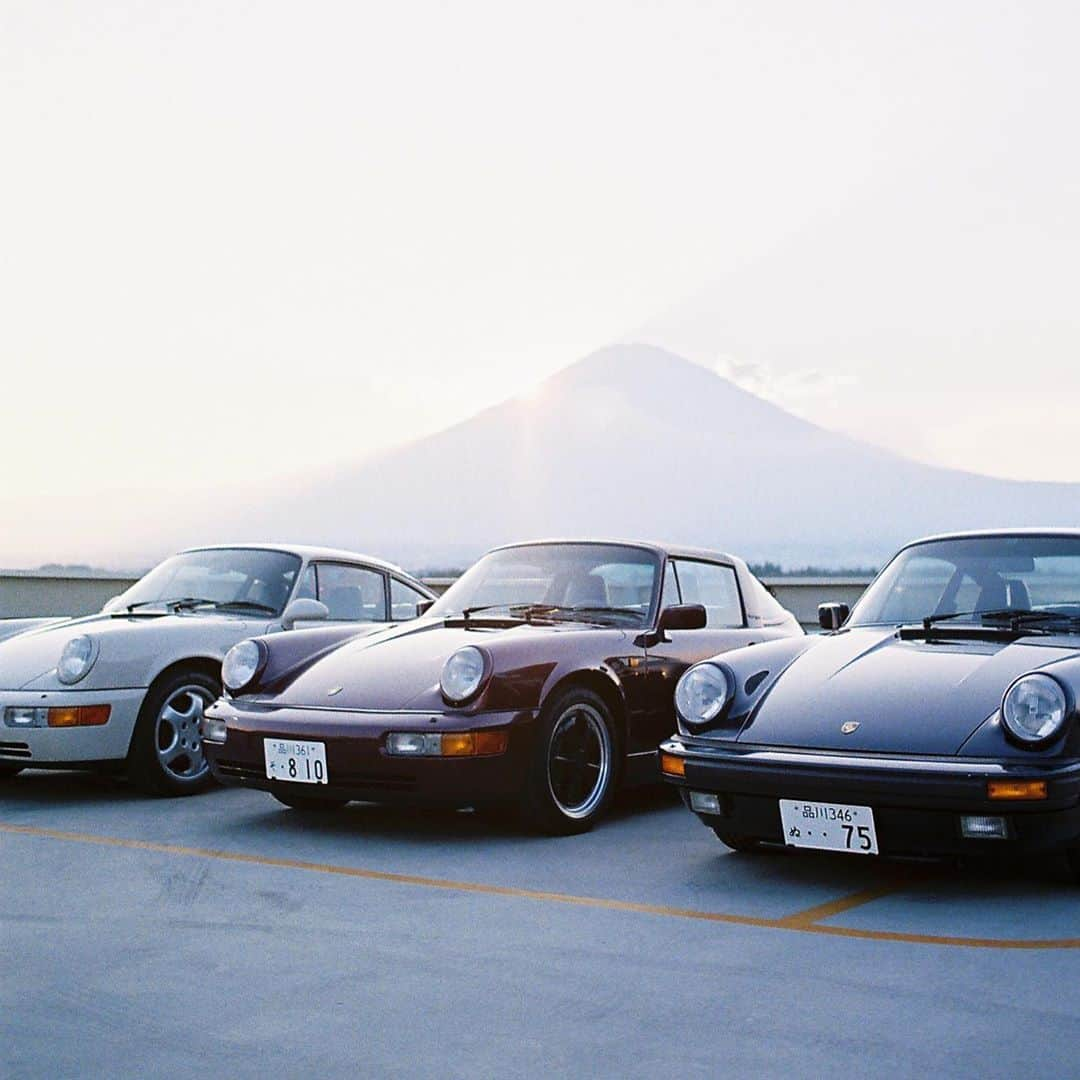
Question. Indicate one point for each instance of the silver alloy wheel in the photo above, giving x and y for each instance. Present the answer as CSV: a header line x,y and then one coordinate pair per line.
x,y
177,739
579,760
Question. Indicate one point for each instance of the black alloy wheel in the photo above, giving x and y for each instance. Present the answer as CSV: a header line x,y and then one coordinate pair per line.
x,y
575,765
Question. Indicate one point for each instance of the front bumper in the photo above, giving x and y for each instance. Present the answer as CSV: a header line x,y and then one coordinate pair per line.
x,y
358,766
46,747
917,802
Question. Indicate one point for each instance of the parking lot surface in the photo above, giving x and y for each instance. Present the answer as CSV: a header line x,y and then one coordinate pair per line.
x,y
224,935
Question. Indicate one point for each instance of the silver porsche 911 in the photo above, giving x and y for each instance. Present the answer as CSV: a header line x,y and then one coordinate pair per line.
x,y
126,688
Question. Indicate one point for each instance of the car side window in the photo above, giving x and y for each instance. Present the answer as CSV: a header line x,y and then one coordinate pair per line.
x,y
403,600
713,586
669,596
352,593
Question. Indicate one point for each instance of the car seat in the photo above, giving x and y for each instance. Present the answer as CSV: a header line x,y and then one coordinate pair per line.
x,y
344,602
1004,595
586,590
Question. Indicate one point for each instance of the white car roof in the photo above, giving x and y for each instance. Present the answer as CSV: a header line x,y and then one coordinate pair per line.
x,y
308,551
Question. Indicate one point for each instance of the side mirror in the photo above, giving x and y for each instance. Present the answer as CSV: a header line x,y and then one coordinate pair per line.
x,y
832,616
422,607
112,604
304,610
683,617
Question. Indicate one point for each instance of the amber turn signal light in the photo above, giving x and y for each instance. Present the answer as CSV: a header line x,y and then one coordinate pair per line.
x,y
474,743
670,765
1016,789
79,716
460,744
492,742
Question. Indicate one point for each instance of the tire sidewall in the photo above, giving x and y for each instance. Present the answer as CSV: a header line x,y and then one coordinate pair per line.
x,y
144,769
538,805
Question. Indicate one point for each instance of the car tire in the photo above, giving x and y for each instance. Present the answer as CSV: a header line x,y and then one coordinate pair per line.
x,y
575,764
312,804
9,770
166,755
743,844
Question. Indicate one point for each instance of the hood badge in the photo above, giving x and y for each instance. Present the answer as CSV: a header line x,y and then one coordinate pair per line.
x,y
334,691
849,728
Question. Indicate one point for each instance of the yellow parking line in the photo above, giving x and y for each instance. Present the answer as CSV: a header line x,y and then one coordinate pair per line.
x,y
801,922
810,916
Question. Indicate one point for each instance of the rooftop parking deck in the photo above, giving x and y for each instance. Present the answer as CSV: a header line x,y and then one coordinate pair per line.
x,y
225,935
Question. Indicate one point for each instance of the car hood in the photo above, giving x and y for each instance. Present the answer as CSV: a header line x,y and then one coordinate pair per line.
x,y
131,648
917,697
399,668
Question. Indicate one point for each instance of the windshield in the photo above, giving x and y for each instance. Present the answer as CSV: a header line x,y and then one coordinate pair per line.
x,y
976,580
603,582
232,577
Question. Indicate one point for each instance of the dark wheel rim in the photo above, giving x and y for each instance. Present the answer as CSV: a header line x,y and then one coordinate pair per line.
x,y
177,740
579,760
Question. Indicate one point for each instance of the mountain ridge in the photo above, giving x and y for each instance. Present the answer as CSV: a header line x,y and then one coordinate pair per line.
x,y
634,440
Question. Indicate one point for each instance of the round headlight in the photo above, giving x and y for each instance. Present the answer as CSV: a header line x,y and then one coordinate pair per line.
x,y
701,693
76,659
462,674
241,664
1034,709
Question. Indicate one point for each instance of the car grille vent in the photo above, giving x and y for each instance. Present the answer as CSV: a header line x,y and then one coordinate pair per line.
x,y
15,749
241,772
373,781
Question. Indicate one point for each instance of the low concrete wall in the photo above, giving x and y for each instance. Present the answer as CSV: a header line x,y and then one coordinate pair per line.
x,y
801,596
34,593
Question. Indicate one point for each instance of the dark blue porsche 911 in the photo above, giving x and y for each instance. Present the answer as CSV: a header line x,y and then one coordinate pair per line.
x,y
939,717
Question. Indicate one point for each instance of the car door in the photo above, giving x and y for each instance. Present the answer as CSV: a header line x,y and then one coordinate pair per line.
x,y
716,587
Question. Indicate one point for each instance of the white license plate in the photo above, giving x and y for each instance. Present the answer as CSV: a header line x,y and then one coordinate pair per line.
x,y
829,826
297,762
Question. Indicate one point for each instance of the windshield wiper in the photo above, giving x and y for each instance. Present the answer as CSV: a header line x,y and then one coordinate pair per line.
x,y
175,602
240,605
1033,619
598,609
1016,618
517,611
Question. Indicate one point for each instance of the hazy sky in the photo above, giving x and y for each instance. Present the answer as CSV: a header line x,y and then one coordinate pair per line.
x,y
246,241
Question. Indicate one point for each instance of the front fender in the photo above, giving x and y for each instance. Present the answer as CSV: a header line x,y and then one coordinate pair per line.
x,y
755,669
291,653
130,654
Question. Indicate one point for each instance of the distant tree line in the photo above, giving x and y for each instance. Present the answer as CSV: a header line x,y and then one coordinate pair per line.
x,y
771,569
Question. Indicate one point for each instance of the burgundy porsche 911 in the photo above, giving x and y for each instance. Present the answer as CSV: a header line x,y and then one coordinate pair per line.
x,y
543,678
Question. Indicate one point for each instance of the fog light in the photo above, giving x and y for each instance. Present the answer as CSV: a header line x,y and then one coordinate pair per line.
x,y
979,825
670,765
1016,789
704,802
18,716
213,729
413,744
